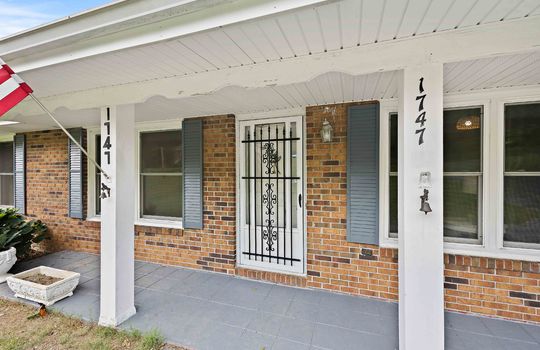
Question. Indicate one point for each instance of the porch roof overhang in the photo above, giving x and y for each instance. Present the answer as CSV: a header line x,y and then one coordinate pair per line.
x,y
274,55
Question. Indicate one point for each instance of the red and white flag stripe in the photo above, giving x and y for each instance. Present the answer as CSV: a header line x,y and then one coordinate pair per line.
x,y
12,88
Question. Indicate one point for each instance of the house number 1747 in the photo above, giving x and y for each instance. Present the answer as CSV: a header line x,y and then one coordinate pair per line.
x,y
421,119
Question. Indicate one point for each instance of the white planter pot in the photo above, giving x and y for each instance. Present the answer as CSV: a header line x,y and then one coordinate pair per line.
x,y
43,294
7,260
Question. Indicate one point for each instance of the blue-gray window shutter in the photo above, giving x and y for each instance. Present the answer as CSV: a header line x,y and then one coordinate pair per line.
x,y
19,167
192,153
363,174
75,166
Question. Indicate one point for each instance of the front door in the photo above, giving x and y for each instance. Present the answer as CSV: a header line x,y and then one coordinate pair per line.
x,y
271,229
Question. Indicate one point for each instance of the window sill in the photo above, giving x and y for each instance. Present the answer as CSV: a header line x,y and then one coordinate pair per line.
x,y
159,223
479,250
148,222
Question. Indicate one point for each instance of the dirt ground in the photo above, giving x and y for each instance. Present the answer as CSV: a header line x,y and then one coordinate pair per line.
x,y
20,331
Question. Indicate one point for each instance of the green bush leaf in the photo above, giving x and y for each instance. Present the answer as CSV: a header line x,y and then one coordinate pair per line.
x,y
16,231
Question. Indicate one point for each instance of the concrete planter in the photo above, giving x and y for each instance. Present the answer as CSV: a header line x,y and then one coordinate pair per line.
x,y
44,294
7,260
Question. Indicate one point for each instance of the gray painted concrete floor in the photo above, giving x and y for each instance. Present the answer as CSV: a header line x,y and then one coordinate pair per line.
x,y
203,310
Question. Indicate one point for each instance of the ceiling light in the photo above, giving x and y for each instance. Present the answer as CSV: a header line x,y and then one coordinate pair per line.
x,y
468,123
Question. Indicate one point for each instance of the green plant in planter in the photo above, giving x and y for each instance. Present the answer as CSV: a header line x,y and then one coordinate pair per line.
x,y
16,231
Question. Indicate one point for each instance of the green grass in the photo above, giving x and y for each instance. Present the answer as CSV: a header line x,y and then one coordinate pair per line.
x,y
59,332
12,343
152,340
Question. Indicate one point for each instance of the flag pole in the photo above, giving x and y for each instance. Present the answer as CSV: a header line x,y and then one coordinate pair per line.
x,y
69,135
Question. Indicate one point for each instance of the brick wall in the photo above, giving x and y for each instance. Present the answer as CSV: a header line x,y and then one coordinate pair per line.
x,y
495,287
47,193
332,262
501,288
214,247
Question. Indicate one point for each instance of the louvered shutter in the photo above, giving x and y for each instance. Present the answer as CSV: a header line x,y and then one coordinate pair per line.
x,y
363,174
19,168
75,166
192,153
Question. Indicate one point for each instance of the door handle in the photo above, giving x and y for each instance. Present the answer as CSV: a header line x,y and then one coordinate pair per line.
x,y
300,200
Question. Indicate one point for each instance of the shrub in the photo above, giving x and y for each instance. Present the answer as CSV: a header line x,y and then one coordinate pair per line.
x,y
16,231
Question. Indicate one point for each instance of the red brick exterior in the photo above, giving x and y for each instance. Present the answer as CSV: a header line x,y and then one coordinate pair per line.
x,y
47,193
502,288
332,262
214,247
495,287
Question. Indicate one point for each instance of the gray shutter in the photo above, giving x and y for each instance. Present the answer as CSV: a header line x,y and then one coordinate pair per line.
x,y
19,168
363,174
192,153
75,166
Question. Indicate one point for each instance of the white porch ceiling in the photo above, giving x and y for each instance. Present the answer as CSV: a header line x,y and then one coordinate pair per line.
x,y
333,26
336,87
321,31
331,87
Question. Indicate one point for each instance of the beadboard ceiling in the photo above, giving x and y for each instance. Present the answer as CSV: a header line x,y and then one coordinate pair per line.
x,y
329,27
321,29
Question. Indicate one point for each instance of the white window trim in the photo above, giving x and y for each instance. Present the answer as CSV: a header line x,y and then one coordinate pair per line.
x,y
515,248
175,124
139,129
7,138
91,174
493,102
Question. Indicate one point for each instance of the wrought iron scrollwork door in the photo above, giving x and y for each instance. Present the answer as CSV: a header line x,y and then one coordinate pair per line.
x,y
270,210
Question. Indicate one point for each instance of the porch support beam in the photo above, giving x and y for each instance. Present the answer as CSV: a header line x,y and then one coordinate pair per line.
x,y
487,40
117,297
421,267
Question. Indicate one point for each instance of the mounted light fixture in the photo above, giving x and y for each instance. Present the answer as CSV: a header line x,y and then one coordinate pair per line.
x,y
425,183
327,132
468,123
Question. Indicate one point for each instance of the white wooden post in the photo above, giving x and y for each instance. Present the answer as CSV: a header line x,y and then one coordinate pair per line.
x,y
421,265
117,299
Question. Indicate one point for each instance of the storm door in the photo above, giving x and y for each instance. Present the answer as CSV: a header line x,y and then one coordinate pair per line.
x,y
271,228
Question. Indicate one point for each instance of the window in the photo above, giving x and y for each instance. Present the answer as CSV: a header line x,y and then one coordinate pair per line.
x,y
522,175
6,173
462,142
161,174
393,180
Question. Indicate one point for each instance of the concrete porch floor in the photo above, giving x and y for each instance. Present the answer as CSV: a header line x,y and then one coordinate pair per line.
x,y
203,310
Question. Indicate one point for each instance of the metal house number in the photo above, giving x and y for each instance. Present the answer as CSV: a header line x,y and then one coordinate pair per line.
x,y
107,144
421,119
106,190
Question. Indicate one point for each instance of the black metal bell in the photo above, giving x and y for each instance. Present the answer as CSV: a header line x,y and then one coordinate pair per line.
x,y
425,207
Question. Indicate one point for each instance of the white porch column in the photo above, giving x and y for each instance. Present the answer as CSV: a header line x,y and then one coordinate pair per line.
x,y
117,298
421,265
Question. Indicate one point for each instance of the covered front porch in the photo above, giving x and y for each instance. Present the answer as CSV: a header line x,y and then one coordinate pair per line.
x,y
191,92
205,310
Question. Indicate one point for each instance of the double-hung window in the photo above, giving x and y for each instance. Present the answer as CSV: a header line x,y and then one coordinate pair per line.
x,y
393,178
522,175
6,174
462,165
160,175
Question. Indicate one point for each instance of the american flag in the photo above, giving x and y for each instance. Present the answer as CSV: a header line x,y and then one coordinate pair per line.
x,y
12,88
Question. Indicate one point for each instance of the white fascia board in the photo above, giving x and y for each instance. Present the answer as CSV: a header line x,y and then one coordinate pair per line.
x,y
121,28
496,39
